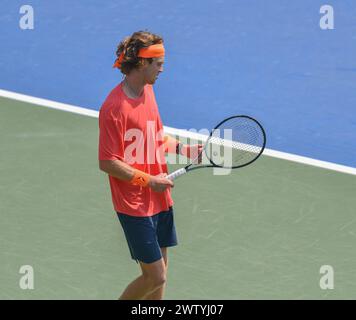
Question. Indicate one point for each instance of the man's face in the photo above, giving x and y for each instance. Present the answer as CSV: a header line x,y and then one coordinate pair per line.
x,y
152,70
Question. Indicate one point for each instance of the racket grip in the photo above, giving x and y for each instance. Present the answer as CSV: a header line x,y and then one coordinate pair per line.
x,y
174,175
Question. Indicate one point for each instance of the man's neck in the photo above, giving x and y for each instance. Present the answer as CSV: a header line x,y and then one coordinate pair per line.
x,y
133,86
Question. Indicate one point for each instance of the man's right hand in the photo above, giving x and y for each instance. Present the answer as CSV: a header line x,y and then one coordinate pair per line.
x,y
160,183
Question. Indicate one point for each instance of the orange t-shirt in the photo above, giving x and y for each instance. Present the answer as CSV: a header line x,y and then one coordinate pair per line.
x,y
131,130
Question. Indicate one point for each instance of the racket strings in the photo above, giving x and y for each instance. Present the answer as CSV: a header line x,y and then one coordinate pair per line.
x,y
236,142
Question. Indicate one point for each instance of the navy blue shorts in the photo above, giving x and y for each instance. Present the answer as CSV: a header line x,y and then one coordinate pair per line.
x,y
146,235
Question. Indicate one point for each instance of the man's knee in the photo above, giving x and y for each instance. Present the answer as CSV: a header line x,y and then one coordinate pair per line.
x,y
154,274
156,281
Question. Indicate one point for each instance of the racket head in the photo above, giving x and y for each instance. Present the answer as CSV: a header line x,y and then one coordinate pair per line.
x,y
243,142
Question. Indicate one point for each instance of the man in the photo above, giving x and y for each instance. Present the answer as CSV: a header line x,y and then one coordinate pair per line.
x,y
131,152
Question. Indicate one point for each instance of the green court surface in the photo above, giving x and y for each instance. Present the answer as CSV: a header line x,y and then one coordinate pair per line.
x,y
262,232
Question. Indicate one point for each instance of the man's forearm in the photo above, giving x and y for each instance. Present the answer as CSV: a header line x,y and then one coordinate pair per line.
x,y
123,171
117,169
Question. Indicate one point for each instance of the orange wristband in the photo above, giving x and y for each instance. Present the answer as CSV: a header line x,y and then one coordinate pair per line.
x,y
140,178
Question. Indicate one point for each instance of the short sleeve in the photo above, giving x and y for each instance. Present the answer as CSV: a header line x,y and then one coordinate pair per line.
x,y
111,136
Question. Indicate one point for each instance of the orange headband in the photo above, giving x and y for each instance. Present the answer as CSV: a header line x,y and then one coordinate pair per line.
x,y
154,51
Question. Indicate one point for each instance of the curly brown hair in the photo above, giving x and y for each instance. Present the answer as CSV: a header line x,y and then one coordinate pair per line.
x,y
131,45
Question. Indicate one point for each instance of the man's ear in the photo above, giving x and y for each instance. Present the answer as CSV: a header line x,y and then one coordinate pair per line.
x,y
143,64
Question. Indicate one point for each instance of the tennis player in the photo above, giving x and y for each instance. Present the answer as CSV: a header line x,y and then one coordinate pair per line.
x,y
131,152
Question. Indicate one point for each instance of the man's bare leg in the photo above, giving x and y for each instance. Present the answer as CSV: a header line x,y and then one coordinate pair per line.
x,y
158,294
152,279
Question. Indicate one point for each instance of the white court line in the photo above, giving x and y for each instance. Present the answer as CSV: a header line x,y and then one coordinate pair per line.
x,y
178,132
49,103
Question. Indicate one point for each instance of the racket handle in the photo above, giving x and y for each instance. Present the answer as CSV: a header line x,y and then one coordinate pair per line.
x,y
174,175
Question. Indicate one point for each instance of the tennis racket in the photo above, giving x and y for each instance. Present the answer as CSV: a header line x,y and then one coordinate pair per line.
x,y
234,143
